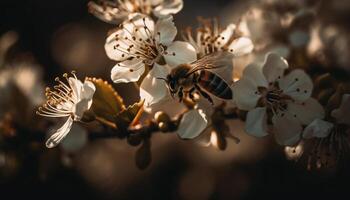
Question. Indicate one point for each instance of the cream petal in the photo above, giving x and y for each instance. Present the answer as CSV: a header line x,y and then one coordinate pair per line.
x,y
61,133
107,13
274,67
256,123
168,7
342,113
225,36
139,20
166,31
297,85
306,111
116,50
76,86
180,53
241,46
88,90
318,128
152,89
254,73
245,94
286,128
124,73
192,124
80,108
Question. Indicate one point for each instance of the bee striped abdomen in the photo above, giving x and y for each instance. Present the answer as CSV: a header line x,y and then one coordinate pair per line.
x,y
214,84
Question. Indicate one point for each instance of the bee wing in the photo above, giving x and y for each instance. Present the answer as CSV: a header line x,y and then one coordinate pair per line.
x,y
212,61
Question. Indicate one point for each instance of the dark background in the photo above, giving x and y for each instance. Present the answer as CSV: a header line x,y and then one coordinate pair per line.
x,y
273,177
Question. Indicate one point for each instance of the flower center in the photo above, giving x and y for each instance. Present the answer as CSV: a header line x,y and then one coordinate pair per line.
x,y
140,43
273,98
60,101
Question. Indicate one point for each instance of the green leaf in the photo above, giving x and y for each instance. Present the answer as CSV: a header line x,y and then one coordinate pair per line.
x,y
106,101
129,116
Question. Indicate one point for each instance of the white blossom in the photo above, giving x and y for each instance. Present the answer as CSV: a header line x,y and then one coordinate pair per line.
x,y
112,11
68,101
266,93
141,45
322,128
210,38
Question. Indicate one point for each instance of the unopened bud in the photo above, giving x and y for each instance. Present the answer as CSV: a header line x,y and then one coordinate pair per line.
x,y
161,117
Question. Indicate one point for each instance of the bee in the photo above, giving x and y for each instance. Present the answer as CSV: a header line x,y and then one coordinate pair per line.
x,y
196,76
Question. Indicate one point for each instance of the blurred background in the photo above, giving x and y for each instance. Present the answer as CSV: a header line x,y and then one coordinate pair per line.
x,y
43,39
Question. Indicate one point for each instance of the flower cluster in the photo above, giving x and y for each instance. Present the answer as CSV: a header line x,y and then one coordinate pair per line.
x,y
194,77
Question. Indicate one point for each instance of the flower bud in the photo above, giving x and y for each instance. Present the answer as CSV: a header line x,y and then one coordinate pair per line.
x,y
161,117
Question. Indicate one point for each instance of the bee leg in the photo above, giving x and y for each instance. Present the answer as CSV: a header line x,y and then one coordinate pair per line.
x,y
204,94
180,94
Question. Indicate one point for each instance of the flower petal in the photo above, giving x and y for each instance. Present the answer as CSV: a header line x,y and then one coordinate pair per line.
x,y
256,123
127,71
287,129
80,108
168,7
166,30
297,84
245,94
225,36
76,86
318,128
313,108
192,124
254,73
88,90
153,90
241,46
180,53
114,48
61,133
274,67
342,113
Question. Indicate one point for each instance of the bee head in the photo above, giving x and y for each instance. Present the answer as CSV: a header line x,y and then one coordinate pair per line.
x,y
171,83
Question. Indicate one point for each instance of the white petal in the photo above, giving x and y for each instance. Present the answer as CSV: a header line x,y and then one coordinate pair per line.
x,y
124,73
107,13
256,123
245,94
139,20
241,46
153,90
57,137
294,152
287,129
180,53
192,124
115,50
76,86
80,108
297,84
318,128
254,73
274,67
168,7
166,31
342,113
225,36
307,111
88,90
